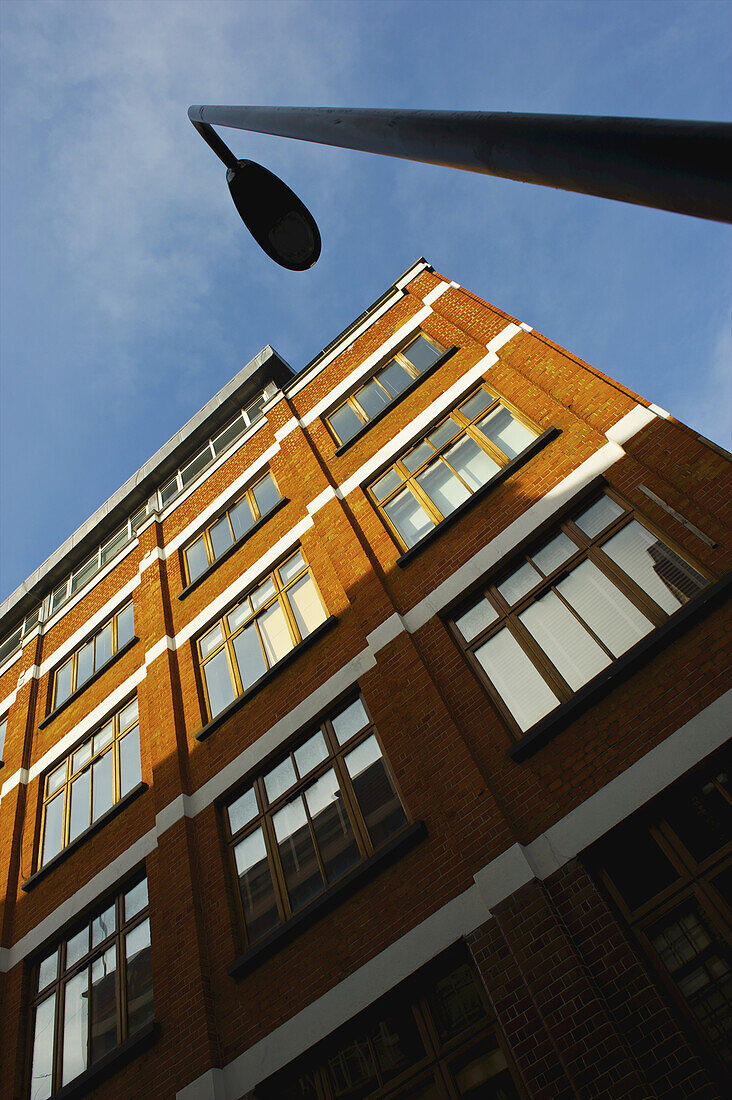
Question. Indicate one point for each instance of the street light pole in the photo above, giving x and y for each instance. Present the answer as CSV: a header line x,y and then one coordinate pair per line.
x,y
674,165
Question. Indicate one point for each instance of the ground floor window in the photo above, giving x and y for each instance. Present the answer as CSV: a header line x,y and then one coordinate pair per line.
x,y
669,870
433,1038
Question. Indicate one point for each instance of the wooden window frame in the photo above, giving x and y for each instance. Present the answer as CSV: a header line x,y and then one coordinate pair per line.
x,y
587,549
468,428
266,809
398,357
211,557
74,658
693,887
63,977
113,746
3,735
229,636
411,999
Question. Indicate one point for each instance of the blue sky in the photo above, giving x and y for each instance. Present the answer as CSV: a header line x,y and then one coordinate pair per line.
x,y
131,292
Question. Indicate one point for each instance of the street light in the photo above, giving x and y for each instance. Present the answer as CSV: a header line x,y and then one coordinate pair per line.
x,y
681,166
279,222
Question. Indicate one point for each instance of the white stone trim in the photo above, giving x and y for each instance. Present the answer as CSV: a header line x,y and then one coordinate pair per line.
x,y
284,431
19,776
222,500
493,883
150,557
660,412
157,650
630,424
173,812
437,291
385,632
321,500
343,388
502,338
410,275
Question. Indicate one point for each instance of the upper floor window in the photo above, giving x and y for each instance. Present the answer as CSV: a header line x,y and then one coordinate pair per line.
x,y
92,778
3,731
569,609
457,457
93,654
383,387
311,817
233,525
11,642
669,870
92,992
262,629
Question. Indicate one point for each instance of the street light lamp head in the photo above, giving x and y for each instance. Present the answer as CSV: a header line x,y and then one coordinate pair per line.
x,y
279,222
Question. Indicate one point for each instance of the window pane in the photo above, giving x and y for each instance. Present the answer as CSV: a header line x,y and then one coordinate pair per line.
x,y
135,899
506,432
81,757
344,422
474,465
103,925
377,800
63,682
420,454
637,866
129,762
565,641
80,807
332,826
196,559
475,404
372,398
446,430
519,583
249,656
476,619
114,545
139,977
409,517
103,1004
56,778
103,784
239,615
386,484
241,518
255,885
265,494
455,1002
242,810
195,466
53,829
352,1070
47,970
76,1026
350,721
229,434
526,694
598,516
84,574
104,645
442,487
551,556
292,567
306,606
263,592
311,753
658,570
169,490
125,626
615,620
221,536
421,353
85,663
394,378
219,684
280,779
77,946
703,819
276,636
128,714
42,1071
297,854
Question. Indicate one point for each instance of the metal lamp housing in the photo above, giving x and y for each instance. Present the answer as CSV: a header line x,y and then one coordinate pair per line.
x,y
279,222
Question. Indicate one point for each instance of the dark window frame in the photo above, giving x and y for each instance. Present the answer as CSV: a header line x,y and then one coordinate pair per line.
x,y
266,809
56,986
115,648
587,549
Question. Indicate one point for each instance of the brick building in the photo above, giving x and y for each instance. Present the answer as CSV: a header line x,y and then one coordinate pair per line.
x,y
370,740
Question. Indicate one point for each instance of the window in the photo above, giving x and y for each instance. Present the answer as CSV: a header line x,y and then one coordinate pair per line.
x,y
93,655
269,622
676,893
383,387
11,642
570,608
3,731
93,992
233,525
314,815
96,775
458,456
432,1039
